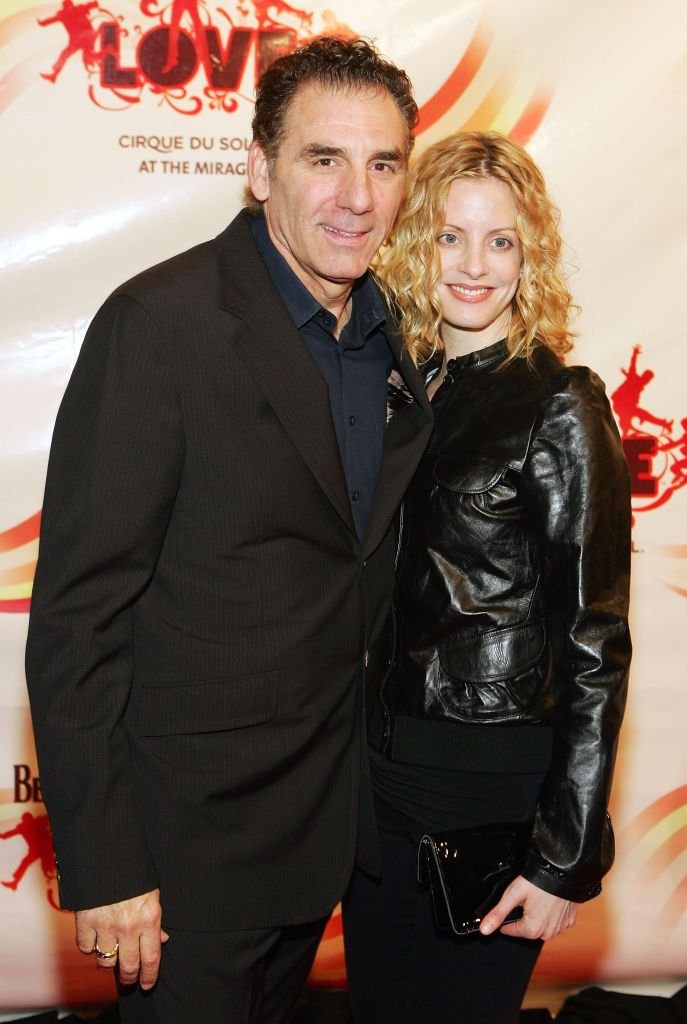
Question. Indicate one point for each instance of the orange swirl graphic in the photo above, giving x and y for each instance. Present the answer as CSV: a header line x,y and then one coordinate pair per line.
x,y
25,71
656,842
16,581
458,81
329,968
500,106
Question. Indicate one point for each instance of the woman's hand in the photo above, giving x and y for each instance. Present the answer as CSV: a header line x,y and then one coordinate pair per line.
x,y
544,915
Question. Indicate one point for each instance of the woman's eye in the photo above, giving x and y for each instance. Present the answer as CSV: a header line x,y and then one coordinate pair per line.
x,y
502,243
448,238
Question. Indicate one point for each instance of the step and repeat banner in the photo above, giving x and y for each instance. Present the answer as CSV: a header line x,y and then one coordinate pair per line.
x,y
125,126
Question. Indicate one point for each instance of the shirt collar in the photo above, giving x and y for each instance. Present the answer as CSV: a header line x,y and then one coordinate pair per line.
x,y
368,312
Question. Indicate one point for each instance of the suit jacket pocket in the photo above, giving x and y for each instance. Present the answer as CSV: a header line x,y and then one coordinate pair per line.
x,y
176,709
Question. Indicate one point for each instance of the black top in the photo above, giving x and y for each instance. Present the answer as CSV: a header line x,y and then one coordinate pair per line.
x,y
442,799
356,369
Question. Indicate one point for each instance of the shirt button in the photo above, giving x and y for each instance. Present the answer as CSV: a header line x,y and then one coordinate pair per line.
x,y
355,495
351,420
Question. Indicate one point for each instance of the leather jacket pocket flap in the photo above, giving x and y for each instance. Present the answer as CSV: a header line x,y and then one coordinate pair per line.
x,y
499,654
175,709
467,479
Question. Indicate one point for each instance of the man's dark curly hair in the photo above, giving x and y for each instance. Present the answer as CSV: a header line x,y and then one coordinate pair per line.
x,y
335,64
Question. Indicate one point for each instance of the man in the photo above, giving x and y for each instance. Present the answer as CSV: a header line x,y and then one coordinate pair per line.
x,y
216,565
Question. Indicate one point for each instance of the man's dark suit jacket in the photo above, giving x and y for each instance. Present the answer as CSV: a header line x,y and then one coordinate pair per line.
x,y
203,609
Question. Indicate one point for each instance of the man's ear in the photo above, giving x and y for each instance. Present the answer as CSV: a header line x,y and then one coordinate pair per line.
x,y
258,172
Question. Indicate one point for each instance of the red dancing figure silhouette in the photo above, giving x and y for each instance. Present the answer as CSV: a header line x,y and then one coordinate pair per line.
x,y
625,399
179,9
82,35
36,832
263,8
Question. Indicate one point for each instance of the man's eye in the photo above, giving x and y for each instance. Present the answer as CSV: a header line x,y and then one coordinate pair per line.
x,y
384,168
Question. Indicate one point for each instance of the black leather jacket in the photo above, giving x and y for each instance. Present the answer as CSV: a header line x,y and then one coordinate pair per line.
x,y
512,599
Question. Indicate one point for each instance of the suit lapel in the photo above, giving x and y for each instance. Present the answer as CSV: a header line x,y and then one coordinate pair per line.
x,y
279,360
406,437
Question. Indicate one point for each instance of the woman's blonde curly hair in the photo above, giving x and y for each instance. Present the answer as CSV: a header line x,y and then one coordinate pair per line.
x,y
409,268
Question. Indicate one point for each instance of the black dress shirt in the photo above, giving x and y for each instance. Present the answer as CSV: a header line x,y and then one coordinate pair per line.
x,y
356,369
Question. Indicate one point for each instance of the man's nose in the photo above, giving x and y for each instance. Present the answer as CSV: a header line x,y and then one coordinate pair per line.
x,y
356,192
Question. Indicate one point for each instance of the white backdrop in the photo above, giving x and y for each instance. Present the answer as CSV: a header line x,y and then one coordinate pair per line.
x,y
116,164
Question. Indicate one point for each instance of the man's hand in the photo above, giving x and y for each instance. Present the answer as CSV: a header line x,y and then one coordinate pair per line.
x,y
133,924
544,915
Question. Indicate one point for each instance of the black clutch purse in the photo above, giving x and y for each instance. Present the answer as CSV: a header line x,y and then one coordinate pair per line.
x,y
469,870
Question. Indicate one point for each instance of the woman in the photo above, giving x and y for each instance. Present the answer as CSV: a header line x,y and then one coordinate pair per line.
x,y
511,648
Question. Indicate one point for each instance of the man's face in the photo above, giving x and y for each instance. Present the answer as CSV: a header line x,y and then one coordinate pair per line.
x,y
332,195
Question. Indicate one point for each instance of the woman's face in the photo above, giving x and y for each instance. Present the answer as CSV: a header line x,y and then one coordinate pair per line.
x,y
481,257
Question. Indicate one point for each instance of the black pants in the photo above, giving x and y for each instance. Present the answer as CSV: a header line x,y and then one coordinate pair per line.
x,y
246,977
402,970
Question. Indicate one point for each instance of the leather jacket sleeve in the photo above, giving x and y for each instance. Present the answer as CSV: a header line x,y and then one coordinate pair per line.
x,y
576,492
